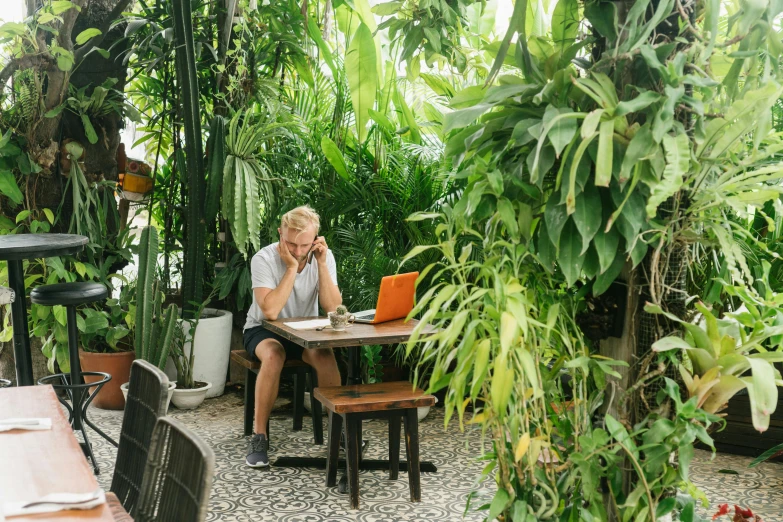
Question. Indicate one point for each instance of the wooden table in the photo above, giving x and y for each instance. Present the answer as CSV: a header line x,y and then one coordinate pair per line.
x,y
37,463
15,248
352,339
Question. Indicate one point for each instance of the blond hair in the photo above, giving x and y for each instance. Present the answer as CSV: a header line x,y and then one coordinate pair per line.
x,y
301,218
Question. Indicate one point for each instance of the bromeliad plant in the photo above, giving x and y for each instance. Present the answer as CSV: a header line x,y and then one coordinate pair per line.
x,y
724,356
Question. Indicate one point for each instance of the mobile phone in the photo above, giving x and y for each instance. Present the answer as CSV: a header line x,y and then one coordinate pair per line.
x,y
310,254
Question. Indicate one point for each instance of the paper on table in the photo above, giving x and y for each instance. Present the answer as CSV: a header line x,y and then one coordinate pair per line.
x,y
308,325
59,502
39,423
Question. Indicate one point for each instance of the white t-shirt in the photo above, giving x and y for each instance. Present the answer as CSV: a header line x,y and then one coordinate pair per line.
x,y
267,270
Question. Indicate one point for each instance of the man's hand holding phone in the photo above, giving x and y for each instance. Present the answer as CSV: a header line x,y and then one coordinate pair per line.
x,y
319,250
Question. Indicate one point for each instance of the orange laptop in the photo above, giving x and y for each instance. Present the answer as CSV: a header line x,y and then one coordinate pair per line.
x,y
395,300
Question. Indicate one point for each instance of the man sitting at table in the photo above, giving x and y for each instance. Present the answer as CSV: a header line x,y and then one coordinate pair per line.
x,y
290,279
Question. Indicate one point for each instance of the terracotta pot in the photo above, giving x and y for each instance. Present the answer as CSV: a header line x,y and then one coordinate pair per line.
x,y
115,364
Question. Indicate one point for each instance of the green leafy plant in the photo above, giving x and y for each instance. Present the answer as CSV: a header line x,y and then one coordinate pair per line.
x,y
721,352
103,100
187,78
155,328
185,362
247,178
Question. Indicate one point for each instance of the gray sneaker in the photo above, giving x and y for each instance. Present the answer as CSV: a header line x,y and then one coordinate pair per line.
x,y
257,451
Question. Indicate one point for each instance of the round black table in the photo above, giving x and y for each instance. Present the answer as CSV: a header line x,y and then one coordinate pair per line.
x,y
15,248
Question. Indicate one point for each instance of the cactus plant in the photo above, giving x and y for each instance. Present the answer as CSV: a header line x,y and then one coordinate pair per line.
x,y
155,328
195,226
341,310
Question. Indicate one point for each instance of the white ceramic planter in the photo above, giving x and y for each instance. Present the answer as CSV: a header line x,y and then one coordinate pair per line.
x,y
307,403
189,399
213,348
172,385
423,411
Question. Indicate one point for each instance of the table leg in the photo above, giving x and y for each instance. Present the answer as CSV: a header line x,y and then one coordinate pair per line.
x,y
22,357
354,365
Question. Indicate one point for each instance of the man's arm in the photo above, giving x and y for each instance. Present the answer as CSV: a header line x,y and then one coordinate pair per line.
x,y
328,293
271,301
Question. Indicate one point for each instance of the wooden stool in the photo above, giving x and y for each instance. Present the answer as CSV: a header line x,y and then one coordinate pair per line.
x,y
304,377
396,401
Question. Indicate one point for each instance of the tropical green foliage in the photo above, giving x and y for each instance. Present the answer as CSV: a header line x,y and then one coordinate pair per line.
x,y
584,164
522,174
154,327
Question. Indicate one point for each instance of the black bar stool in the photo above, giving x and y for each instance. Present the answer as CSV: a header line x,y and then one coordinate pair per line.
x,y
71,295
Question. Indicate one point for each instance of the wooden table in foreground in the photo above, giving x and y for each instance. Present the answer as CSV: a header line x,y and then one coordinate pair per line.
x,y
39,462
352,339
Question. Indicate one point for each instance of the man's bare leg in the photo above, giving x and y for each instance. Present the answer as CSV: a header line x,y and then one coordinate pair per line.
x,y
272,356
325,366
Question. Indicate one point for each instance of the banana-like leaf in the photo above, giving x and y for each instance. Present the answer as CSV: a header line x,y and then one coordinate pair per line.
x,y
360,70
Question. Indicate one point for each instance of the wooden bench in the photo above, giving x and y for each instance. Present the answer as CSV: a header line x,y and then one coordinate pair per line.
x,y
350,405
304,378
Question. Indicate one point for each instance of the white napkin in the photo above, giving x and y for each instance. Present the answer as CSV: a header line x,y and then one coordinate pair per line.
x,y
308,325
55,502
40,423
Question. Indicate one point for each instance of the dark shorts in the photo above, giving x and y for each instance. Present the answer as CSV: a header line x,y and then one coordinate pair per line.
x,y
255,335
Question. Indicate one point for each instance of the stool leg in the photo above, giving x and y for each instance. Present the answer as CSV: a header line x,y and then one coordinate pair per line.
x,y
315,410
352,443
76,376
88,450
412,445
394,447
333,448
250,400
299,389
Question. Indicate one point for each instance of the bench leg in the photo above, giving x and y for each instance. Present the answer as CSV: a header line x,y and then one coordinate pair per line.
x,y
250,401
394,447
315,410
352,443
333,448
412,447
299,389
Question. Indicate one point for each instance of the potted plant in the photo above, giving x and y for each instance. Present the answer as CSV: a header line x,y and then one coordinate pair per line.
x,y
107,346
190,393
206,348
154,327
105,332
340,318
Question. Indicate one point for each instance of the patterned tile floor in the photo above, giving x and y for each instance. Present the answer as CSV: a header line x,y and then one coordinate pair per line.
x,y
759,488
299,495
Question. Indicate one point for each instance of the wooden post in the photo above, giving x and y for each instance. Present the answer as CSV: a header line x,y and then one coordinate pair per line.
x,y
622,349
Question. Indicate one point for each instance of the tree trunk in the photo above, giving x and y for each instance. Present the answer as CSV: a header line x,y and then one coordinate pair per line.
x,y
7,367
100,158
